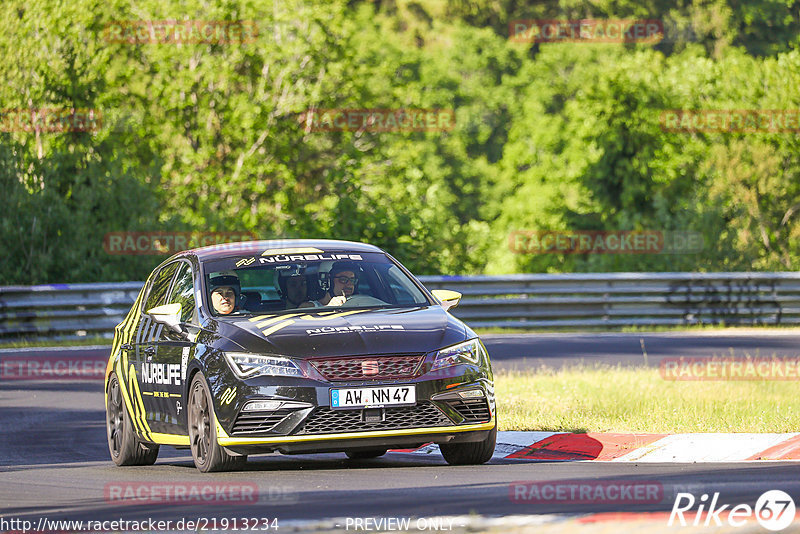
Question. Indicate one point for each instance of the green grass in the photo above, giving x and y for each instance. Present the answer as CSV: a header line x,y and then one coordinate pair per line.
x,y
24,343
617,399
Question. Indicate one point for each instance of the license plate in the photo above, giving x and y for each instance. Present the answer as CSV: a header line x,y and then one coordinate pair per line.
x,y
342,398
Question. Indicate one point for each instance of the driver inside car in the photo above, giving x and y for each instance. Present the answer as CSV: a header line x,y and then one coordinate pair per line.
x,y
343,281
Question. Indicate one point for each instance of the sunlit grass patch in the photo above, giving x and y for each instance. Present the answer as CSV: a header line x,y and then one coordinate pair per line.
x,y
606,398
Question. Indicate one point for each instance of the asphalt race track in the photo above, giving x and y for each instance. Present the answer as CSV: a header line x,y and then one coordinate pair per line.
x,y
522,351
54,461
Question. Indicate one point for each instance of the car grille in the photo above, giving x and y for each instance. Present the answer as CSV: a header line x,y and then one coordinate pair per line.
x,y
258,422
368,367
472,410
327,421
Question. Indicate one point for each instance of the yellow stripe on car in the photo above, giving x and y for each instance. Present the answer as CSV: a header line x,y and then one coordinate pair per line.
x,y
330,315
284,324
259,318
123,332
277,327
138,402
230,442
170,439
124,391
221,434
267,322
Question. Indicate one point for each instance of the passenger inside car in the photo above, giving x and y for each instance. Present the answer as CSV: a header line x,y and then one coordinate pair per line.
x,y
293,289
225,289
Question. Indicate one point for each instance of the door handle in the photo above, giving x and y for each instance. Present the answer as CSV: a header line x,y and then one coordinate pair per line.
x,y
150,350
126,346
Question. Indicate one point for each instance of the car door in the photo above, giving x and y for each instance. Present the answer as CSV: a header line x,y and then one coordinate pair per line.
x,y
175,350
150,373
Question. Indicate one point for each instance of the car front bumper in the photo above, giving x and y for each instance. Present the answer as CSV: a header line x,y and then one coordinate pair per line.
x,y
391,439
440,415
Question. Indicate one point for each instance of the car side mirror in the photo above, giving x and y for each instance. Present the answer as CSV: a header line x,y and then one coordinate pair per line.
x,y
168,314
449,299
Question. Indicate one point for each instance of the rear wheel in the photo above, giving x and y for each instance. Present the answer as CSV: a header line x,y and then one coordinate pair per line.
x,y
474,453
365,455
124,446
208,455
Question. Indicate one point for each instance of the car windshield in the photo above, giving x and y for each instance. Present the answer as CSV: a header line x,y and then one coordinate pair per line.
x,y
306,279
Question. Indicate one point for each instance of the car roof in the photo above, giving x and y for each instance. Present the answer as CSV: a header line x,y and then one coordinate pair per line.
x,y
226,250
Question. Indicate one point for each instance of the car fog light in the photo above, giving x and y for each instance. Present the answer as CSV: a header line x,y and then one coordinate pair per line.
x,y
259,406
471,394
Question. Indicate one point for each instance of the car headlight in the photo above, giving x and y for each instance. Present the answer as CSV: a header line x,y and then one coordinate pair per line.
x,y
247,365
463,353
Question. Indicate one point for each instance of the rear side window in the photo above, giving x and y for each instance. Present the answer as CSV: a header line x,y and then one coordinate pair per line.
x,y
183,293
261,281
158,291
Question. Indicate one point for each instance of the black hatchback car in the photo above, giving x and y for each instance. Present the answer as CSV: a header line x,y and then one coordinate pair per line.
x,y
301,346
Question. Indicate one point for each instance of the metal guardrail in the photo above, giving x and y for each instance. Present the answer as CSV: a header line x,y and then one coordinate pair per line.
x,y
524,301
625,299
64,310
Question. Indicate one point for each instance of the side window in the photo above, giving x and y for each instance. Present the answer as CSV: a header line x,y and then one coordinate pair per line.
x,y
403,290
364,285
183,293
158,292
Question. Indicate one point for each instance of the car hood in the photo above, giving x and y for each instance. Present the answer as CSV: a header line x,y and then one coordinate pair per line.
x,y
346,332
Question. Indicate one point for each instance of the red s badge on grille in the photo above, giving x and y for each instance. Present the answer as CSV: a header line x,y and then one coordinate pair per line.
x,y
369,367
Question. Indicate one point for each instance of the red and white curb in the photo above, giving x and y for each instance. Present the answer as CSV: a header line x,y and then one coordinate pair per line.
x,y
655,448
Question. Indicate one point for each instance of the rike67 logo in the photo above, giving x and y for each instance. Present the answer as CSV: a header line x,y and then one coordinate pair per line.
x,y
774,510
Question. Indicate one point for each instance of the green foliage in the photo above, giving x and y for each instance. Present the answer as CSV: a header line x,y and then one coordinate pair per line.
x,y
63,191
213,137
763,27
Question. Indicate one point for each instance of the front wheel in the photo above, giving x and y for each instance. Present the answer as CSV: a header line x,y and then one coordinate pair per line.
x,y
124,446
474,453
208,455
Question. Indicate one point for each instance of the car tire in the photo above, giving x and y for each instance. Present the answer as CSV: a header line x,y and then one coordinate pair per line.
x,y
474,453
123,444
208,455
365,455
